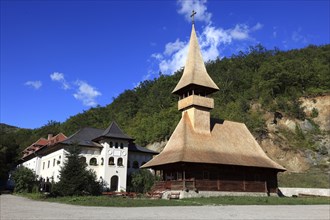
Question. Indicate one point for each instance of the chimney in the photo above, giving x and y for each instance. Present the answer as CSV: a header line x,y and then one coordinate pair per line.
x,y
50,136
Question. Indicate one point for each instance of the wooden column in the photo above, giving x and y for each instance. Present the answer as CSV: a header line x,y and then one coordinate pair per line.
x,y
184,179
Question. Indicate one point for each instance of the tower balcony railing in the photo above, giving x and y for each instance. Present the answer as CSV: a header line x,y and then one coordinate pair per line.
x,y
196,100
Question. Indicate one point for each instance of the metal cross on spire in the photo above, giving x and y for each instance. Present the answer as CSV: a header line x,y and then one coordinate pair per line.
x,y
192,16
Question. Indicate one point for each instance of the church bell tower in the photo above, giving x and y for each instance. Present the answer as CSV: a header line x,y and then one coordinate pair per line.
x,y
194,87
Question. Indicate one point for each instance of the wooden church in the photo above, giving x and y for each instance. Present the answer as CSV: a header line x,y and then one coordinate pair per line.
x,y
206,154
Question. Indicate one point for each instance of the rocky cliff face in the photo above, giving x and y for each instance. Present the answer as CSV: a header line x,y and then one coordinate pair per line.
x,y
295,144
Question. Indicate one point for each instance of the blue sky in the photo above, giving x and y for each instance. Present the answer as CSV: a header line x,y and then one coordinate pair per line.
x,y
59,58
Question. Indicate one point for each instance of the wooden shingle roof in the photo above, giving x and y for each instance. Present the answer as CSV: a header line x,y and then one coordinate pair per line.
x,y
229,143
195,73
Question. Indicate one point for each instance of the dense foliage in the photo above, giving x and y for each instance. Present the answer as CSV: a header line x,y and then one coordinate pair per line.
x,y
141,181
25,180
272,78
75,179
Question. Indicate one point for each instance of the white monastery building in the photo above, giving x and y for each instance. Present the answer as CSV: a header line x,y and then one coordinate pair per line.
x,y
111,153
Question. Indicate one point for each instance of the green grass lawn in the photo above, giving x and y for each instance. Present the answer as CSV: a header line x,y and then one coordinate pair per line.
x,y
145,202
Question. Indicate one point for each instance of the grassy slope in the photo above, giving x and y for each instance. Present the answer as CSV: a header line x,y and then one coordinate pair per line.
x,y
314,178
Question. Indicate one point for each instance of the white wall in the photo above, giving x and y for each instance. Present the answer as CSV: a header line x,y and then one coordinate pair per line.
x,y
51,164
108,171
33,164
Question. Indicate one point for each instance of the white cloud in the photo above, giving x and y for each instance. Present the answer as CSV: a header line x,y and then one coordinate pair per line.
x,y
187,6
256,27
298,37
34,84
274,32
86,93
172,47
211,38
243,31
59,77
56,76
157,56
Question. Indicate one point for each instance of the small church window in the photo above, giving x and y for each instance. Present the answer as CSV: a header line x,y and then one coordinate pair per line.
x,y
179,175
116,145
54,162
83,159
136,165
111,161
102,161
93,161
121,145
120,161
206,175
111,144
48,163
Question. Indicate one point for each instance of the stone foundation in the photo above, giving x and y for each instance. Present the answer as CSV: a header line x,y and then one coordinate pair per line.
x,y
200,194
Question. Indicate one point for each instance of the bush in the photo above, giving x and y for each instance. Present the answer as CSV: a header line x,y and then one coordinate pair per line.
x,y
141,181
315,113
25,180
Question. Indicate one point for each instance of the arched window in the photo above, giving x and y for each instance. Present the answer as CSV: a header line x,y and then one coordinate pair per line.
x,y
116,145
120,161
111,144
93,161
102,161
83,159
136,165
111,161
128,164
121,145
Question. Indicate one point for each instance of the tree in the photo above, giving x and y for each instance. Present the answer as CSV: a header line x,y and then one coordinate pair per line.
x,y
25,179
75,179
142,181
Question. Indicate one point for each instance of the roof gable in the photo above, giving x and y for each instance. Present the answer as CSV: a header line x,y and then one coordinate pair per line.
x,y
113,131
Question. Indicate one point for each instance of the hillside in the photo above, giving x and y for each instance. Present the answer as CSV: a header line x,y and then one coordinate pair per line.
x,y
254,87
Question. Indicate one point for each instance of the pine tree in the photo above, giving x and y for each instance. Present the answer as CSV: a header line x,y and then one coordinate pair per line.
x,y
75,179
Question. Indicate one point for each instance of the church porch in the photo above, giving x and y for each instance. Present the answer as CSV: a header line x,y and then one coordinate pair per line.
x,y
222,178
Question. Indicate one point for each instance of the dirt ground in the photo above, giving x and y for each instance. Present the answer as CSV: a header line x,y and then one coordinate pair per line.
x,y
14,207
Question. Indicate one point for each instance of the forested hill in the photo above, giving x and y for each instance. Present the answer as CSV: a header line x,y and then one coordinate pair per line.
x,y
275,79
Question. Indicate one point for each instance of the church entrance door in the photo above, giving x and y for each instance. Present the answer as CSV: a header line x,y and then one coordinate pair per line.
x,y
114,183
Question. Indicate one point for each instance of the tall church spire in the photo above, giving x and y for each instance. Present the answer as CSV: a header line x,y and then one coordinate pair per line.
x,y
195,74
193,88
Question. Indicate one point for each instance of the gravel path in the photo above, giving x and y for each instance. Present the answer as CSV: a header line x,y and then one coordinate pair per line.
x,y
15,207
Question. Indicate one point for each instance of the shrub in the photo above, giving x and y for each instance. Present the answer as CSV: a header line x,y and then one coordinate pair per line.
x,y
25,180
141,181
314,113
